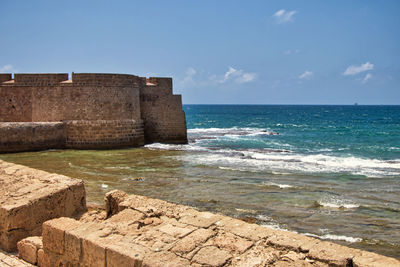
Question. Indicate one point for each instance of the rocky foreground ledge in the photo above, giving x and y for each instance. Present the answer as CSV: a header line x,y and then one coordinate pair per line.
x,y
135,230
29,197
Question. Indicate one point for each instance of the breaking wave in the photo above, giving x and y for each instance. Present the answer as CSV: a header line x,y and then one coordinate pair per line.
x,y
239,149
336,237
230,131
337,203
281,186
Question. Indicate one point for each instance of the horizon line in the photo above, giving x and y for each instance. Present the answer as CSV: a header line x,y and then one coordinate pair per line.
x,y
294,104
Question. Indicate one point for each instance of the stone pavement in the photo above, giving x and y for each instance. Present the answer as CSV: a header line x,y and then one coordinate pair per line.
x,y
7,260
141,231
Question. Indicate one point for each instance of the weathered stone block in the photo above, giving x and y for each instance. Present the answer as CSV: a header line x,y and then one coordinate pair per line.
x,y
93,253
75,197
130,238
243,229
193,240
54,233
151,239
28,248
8,240
333,254
258,255
175,231
130,255
369,259
127,216
212,256
72,247
49,259
232,243
199,219
31,197
10,260
292,241
113,199
164,259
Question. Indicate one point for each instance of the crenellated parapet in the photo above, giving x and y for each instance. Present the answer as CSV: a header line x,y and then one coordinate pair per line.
x,y
105,79
42,79
93,107
5,77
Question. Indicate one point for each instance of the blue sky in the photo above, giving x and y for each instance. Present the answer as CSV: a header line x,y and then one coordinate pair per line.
x,y
228,52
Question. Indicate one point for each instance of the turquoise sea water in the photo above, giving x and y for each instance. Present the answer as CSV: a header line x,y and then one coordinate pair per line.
x,y
327,171
332,172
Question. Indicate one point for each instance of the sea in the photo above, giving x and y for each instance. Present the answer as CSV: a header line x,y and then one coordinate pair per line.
x,y
331,172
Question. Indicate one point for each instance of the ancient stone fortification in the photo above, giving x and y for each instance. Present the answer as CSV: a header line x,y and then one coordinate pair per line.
x,y
41,111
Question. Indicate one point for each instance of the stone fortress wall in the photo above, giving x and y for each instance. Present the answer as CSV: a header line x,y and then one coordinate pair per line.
x,y
88,111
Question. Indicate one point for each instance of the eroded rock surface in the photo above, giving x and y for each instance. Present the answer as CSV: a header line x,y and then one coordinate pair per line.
x,y
29,197
140,231
11,260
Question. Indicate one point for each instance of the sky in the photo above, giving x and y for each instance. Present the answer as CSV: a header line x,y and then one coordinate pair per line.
x,y
217,52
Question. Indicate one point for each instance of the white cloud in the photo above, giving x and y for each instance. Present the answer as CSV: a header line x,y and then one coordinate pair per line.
x,y
353,70
367,77
306,74
283,16
237,75
188,79
196,78
230,72
246,77
290,52
7,68
190,71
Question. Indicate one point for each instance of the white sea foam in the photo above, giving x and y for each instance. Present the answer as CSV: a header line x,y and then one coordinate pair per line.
x,y
274,160
218,130
230,132
228,168
291,162
342,237
337,203
188,147
276,226
232,136
264,218
310,163
159,146
337,206
336,237
329,161
280,173
281,186
268,222
246,210
118,167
